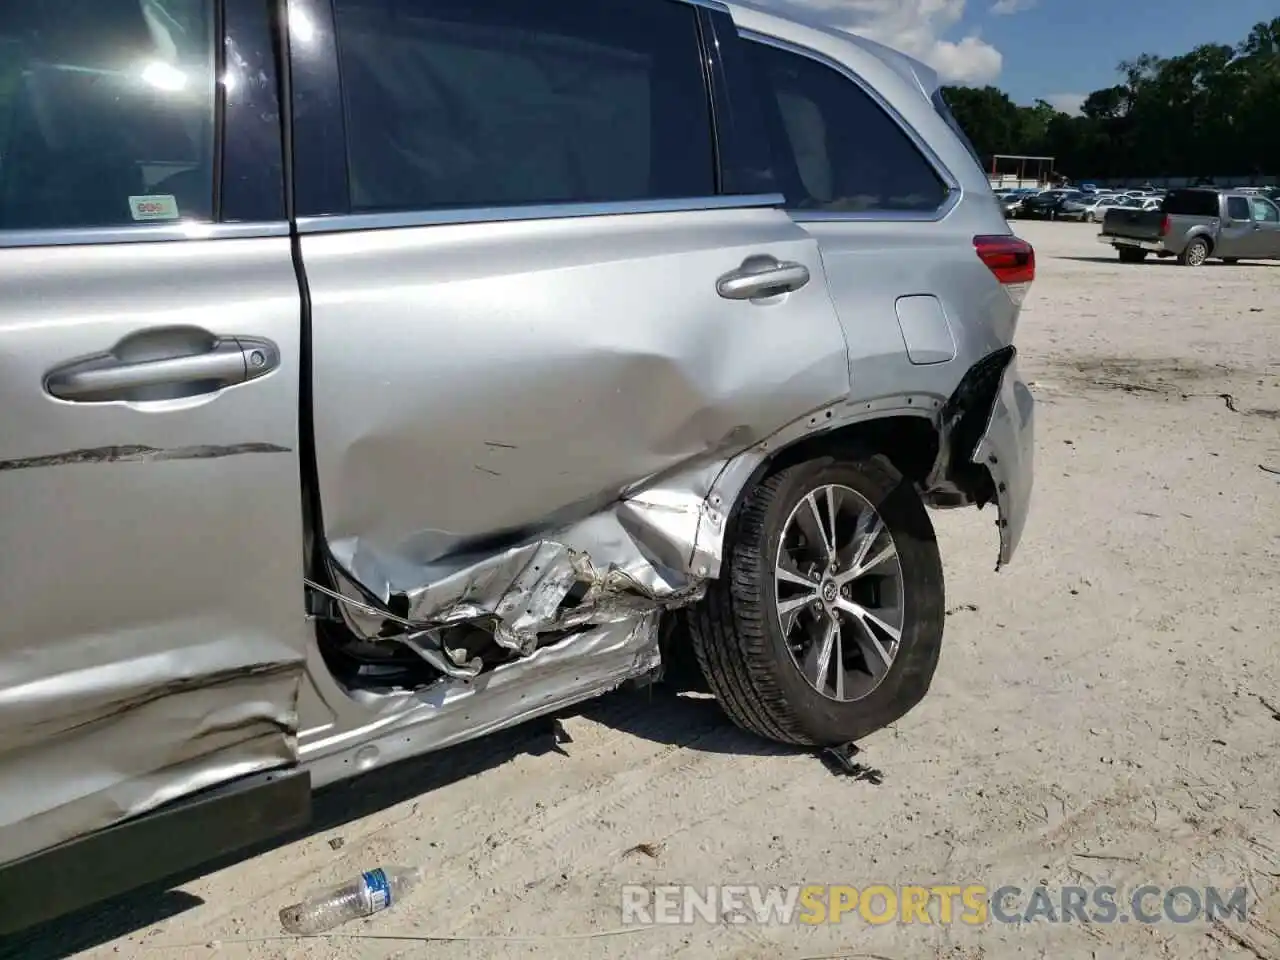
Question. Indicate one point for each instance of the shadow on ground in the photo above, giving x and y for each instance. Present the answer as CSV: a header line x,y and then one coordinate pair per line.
x,y
659,713
1170,262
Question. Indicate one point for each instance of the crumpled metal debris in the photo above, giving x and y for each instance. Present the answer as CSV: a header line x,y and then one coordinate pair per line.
x,y
615,565
839,760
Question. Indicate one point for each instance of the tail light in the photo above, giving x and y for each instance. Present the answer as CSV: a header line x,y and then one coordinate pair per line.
x,y
1165,226
1011,260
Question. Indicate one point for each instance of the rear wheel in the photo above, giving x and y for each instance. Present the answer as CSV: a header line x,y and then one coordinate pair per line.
x,y
1131,254
827,622
1195,253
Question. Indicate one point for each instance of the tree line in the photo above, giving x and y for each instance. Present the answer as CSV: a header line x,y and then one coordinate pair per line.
x,y
1214,111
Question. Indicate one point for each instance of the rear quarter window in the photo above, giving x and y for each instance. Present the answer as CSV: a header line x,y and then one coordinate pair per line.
x,y
835,148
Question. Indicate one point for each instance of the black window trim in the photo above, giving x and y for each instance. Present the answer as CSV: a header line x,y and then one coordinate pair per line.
x,y
955,192
338,218
250,143
743,156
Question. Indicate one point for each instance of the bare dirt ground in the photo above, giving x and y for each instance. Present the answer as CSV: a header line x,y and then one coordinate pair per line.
x,y
1107,709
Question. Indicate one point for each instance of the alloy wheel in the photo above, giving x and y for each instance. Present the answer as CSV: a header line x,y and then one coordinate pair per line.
x,y
839,592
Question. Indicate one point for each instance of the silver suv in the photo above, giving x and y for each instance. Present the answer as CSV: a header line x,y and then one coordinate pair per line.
x,y
381,373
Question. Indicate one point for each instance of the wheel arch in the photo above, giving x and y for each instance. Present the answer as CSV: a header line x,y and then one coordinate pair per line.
x,y
1202,233
909,440
930,440
912,439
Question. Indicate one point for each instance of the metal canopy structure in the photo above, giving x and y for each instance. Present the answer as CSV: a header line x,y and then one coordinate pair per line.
x,y
1043,167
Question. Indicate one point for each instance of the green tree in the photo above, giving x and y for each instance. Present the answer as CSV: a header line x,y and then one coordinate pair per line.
x,y
987,115
1214,110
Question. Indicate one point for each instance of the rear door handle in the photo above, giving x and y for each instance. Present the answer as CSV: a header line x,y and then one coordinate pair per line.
x,y
221,362
762,276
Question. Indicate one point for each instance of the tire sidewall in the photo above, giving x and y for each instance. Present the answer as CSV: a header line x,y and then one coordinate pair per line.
x,y
830,721
1197,242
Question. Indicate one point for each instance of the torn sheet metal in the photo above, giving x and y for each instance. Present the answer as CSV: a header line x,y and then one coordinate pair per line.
x,y
987,443
641,554
583,665
1006,450
536,423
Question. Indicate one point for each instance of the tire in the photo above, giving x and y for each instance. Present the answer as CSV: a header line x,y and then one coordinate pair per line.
x,y
1131,254
737,629
1195,253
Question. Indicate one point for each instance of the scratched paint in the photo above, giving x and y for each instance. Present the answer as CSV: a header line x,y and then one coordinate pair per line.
x,y
137,453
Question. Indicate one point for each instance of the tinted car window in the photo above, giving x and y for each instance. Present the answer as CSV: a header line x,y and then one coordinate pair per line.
x,y
1238,208
1195,203
106,112
835,147
477,103
1264,211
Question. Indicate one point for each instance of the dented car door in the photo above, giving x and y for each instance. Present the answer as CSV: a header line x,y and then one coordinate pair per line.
x,y
154,621
521,317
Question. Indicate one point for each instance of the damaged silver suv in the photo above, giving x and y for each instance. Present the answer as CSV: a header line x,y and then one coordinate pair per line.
x,y
381,373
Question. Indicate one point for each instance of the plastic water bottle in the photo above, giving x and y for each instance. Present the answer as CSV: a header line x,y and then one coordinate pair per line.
x,y
374,891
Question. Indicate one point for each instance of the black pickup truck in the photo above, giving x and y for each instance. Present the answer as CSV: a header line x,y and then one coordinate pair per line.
x,y
1195,224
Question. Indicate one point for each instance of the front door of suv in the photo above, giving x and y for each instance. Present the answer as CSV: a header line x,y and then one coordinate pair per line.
x,y
514,271
154,624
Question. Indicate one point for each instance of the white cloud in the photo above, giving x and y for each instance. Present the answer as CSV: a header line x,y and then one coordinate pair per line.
x,y
920,28
1068,103
1007,7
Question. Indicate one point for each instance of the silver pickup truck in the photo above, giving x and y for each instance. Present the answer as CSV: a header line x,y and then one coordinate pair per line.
x,y
1196,224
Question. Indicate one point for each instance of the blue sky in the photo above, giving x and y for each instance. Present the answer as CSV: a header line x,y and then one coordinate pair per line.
x,y
1061,48
1056,50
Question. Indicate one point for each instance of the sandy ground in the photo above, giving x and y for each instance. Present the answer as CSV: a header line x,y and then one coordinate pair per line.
x,y
1105,710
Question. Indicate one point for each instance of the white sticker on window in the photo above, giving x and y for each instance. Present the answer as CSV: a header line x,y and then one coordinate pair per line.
x,y
158,207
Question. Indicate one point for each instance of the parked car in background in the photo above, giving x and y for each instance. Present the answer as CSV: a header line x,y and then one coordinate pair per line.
x,y
317,455
1047,205
1085,208
1195,224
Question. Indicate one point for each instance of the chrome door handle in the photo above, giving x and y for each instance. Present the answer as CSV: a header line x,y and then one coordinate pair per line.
x,y
760,277
107,377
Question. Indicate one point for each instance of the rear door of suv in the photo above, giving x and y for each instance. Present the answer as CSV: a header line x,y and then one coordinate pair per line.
x,y
897,244
149,352
541,267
